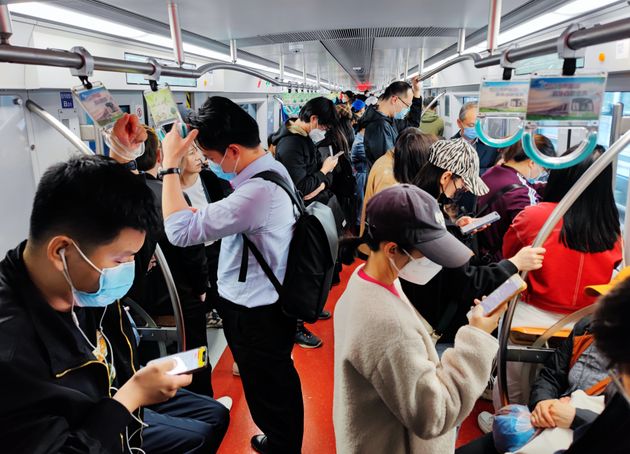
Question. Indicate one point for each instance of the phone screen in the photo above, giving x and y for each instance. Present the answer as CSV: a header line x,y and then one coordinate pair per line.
x,y
480,222
503,293
187,362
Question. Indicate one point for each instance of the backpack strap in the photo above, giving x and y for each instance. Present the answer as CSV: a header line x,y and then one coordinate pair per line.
x,y
504,190
247,243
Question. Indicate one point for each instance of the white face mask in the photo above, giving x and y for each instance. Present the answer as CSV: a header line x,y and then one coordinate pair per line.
x,y
317,135
417,271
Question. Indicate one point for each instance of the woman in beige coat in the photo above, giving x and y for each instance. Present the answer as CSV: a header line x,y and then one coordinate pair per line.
x,y
392,393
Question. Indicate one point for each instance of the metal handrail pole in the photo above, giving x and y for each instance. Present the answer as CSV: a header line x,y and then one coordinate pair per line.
x,y
175,301
59,126
563,206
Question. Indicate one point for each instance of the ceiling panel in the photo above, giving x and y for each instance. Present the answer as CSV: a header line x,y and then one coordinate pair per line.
x,y
337,37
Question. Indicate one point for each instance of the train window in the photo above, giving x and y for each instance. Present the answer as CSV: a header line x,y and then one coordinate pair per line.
x,y
466,99
623,161
250,108
447,105
542,63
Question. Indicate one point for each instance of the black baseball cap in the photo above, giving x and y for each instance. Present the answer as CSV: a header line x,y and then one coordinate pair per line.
x,y
407,215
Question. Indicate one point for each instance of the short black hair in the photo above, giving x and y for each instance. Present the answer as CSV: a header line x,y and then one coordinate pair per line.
x,y
323,109
151,146
221,122
428,100
610,325
91,199
399,89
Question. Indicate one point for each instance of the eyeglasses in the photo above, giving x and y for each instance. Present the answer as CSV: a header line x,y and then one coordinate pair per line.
x,y
401,100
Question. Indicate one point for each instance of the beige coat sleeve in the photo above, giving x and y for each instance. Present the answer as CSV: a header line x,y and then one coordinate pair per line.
x,y
432,399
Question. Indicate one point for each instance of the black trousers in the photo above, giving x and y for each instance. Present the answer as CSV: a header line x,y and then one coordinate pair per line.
x,y
261,340
188,423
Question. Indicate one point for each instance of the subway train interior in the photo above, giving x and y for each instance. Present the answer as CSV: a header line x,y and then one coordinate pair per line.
x,y
157,153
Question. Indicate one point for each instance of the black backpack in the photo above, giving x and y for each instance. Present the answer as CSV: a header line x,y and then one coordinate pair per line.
x,y
312,256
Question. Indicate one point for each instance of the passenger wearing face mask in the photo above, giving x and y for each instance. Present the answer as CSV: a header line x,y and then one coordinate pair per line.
x,y
399,107
392,392
296,149
69,374
453,169
514,185
466,120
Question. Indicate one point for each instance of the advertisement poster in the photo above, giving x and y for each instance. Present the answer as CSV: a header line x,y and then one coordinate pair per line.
x,y
566,99
99,105
504,97
162,107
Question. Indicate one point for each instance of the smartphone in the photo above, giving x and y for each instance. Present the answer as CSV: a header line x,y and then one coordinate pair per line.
x,y
480,222
187,362
513,286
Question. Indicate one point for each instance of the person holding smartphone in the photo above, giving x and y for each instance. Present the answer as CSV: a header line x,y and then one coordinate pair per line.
x,y
69,374
392,392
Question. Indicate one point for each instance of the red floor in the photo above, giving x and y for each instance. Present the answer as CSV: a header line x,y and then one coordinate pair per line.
x,y
316,373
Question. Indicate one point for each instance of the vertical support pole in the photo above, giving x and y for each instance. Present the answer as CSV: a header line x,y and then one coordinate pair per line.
x,y
281,65
6,29
494,25
421,60
461,41
233,51
406,64
319,76
304,68
176,32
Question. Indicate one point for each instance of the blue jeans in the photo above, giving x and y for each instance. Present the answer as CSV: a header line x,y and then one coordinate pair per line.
x,y
188,423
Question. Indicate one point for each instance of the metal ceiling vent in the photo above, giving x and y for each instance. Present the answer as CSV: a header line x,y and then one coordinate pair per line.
x,y
350,33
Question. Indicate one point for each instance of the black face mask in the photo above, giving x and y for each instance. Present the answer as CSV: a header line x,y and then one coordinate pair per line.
x,y
443,199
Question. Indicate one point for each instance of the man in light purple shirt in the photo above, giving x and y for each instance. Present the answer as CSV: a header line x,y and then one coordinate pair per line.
x,y
258,333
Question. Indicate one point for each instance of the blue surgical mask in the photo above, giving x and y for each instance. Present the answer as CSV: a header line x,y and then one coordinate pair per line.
x,y
114,283
402,114
219,172
470,134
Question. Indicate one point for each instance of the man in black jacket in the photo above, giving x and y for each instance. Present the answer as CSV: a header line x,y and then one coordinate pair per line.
x,y
398,108
296,149
69,377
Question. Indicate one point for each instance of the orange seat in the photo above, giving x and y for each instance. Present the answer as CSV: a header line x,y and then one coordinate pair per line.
x,y
527,335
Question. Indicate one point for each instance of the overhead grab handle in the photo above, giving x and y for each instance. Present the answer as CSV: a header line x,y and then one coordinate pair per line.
x,y
502,100
559,162
493,141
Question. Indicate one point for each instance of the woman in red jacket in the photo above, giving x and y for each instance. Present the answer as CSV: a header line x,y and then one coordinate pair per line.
x,y
584,248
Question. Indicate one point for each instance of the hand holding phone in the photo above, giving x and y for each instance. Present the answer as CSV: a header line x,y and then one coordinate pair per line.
x,y
186,362
338,154
479,223
503,294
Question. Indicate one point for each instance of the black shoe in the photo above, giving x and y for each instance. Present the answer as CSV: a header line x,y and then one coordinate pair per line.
x,y
324,315
259,443
305,339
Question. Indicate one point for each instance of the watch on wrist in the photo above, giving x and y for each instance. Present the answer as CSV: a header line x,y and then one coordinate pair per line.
x,y
169,171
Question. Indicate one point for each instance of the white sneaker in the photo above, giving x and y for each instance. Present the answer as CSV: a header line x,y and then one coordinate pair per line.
x,y
226,401
485,420
235,370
